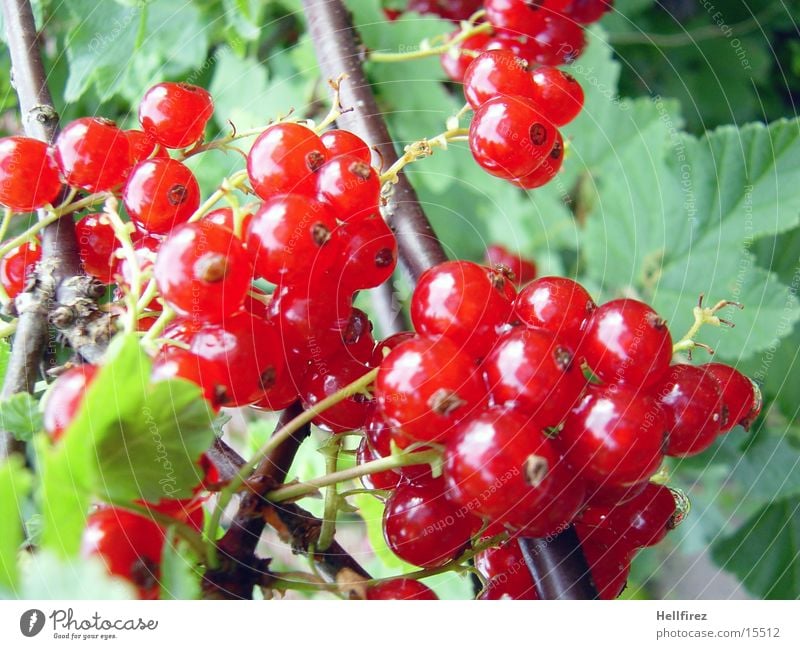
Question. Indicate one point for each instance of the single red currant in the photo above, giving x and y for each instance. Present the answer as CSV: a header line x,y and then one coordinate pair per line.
x,y
17,267
615,435
28,174
627,342
388,344
456,60
588,11
425,386
285,158
558,93
463,301
400,588
65,398
386,480
546,171
327,377
507,573
224,217
378,435
692,401
93,154
517,17
509,137
160,194
523,270
423,527
356,337
96,246
558,304
175,114
741,397
290,236
203,271
174,362
140,144
609,566
368,253
558,42
340,142
494,73
532,371
349,186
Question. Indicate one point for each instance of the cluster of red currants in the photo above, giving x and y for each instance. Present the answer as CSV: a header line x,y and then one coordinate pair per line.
x,y
514,133
544,32
545,404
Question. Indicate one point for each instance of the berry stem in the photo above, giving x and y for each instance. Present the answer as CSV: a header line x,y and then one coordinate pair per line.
x,y
279,437
235,181
7,214
422,149
123,234
328,529
309,487
703,316
427,48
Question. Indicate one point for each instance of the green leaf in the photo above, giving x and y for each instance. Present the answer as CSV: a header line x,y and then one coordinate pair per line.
x,y
15,484
5,352
769,470
764,553
20,416
179,576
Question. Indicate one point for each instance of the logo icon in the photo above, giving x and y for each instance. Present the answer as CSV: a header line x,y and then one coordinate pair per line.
x,y
31,622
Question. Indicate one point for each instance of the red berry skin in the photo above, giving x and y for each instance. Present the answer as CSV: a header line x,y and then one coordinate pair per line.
x,y
28,174
224,217
328,377
741,397
557,304
388,344
424,387
160,194
507,573
509,137
456,61
203,271
284,159
588,11
558,93
626,342
65,398
349,186
400,588
248,350
280,396
559,41
93,154
615,436
641,522
340,142
378,435
17,266
356,338
129,544
500,466
175,114
557,511
525,48
609,565
610,495
455,10
516,17
692,401
422,527
546,171
494,73
532,371
96,245
176,363
290,236
464,302
367,253
523,270
387,480
140,144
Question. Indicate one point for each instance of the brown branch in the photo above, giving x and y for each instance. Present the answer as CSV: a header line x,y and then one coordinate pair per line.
x,y
335,42
558,566
58,276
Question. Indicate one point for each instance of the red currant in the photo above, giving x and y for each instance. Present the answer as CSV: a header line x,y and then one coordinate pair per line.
x,y
349,186
424,386
340,142
627,342
423,527
388,344
140,144
494,73
368,253
557,304
248,351
327,377
357,340
454,10
615,435
28,174
65,398
741,397
609,566
588,11
174,362
507,573
160,194
546,171
280,396
93,154
285,158
559,41
509,137
518,17
523,270
400,588
224,217
289,236
387,480
558,93
532,371
456,61
463,301
17,266
203,271
96,245
175,114
378,435
692,402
